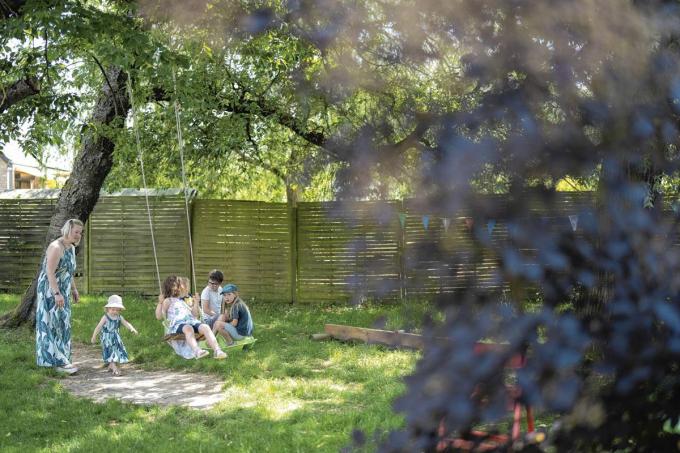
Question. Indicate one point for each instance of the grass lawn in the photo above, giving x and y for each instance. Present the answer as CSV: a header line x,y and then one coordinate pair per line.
x,y
286,394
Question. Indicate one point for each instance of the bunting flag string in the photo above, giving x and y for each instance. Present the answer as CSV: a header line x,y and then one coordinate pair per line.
x,y
446,222
573,219
512,227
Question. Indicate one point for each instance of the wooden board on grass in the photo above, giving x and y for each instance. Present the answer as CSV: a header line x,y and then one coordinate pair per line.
x,y
375,336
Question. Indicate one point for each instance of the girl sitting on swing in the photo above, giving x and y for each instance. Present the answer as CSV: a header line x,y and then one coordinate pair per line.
x,y
184,319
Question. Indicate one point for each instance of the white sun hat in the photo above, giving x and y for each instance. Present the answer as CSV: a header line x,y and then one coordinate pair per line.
x,y
115,301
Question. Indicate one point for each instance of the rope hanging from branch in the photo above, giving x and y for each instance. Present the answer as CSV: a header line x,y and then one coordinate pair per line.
x,y
146,190
180,143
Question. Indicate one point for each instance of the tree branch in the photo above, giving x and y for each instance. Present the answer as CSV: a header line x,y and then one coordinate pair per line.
x,y
11,8
259,161
17,92
47,59
108,82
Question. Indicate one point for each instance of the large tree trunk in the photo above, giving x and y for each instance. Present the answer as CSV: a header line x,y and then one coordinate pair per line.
x,y
81,192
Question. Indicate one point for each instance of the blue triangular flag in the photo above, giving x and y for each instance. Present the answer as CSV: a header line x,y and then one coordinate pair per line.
x,y
402,219
490,225
426,221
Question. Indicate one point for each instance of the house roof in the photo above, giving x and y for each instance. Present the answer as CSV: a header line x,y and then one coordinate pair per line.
x,y
54,193
5,158
29,169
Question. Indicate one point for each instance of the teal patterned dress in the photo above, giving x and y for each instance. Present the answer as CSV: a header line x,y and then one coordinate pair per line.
x,y
53,325
113,349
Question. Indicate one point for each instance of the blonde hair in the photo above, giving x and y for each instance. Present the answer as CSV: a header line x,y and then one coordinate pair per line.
x,y
68,226
186,284
234,306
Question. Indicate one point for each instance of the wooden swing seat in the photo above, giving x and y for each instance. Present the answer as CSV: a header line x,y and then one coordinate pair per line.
x,y
180,336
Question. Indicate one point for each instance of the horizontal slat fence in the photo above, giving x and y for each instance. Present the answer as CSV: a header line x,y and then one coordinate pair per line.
x,y
121,257
315,252
249,241
23,228
440,255
348,251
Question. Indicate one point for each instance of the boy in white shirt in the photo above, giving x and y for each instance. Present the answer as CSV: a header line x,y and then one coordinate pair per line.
x,y
211,299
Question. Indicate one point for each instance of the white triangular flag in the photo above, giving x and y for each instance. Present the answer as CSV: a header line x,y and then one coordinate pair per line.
x,y
447,223
573,219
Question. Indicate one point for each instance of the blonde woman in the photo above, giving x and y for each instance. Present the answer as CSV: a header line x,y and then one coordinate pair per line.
x,y
56,289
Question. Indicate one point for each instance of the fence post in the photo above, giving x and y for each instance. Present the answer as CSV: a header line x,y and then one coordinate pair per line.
x,y
86,258
293,231
401,250
190,250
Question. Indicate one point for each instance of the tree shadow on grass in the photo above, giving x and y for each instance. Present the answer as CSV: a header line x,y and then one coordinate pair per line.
x,y
310,404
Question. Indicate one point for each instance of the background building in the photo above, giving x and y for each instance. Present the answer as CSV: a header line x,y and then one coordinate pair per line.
x,y
24,172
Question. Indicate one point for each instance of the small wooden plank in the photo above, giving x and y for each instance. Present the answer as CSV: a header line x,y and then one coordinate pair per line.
x,y
320,336
375,336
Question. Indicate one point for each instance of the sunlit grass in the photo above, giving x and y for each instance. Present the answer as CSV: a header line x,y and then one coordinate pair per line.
x,y
288,393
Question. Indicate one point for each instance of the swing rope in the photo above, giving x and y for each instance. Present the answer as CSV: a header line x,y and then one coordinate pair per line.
x,y
146,191
180,143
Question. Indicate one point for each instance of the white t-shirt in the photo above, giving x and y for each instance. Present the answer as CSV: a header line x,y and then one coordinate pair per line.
x,y
213,297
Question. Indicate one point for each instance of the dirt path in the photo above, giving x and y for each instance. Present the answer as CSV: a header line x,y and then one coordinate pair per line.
x,y
93,381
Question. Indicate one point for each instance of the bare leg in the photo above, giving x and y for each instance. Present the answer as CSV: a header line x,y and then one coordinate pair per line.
x,y
226,336
209,337
189,337
217,327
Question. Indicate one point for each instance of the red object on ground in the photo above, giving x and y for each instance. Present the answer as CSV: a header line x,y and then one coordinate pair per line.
x,y
480,441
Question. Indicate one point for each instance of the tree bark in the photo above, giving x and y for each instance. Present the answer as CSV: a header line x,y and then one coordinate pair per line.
x,y
11,8
81,191
17,92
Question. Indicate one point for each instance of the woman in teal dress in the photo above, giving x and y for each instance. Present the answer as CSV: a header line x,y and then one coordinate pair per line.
x,y
53,300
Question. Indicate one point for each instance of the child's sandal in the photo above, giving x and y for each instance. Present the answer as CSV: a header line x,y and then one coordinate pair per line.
x,y
200,354
219,355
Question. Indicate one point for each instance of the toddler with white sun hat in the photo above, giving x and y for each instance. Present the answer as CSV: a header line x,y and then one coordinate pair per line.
x,y
113,349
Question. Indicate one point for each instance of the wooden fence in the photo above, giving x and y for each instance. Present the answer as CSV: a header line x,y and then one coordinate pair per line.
x,y
315,252
23,226
118,237
249,241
